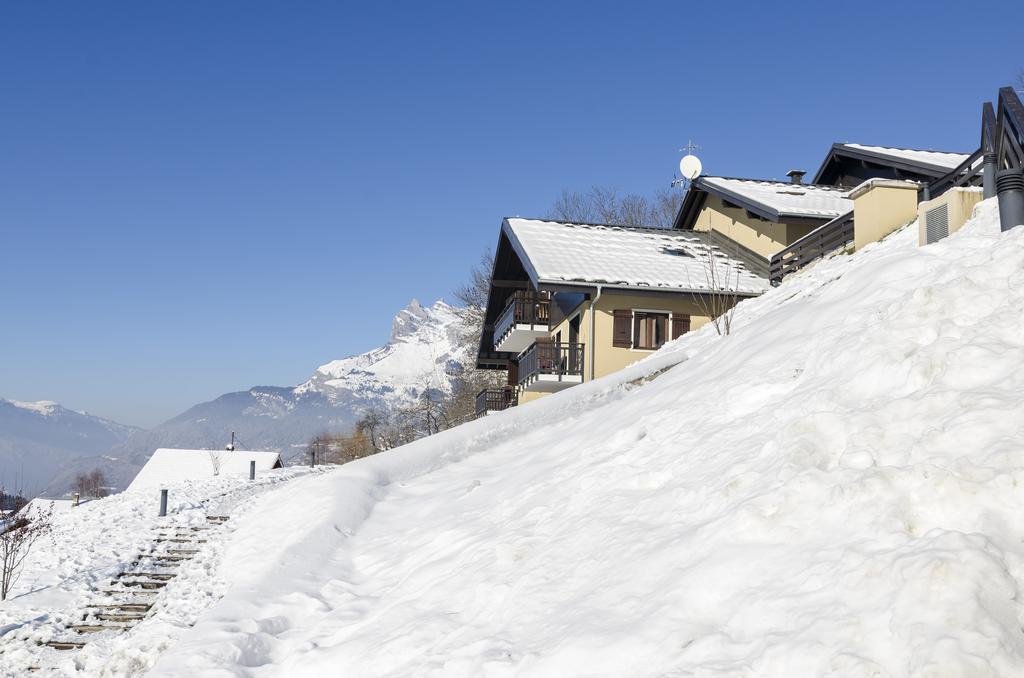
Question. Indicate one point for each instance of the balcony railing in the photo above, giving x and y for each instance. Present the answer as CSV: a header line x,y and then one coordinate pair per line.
x,y
495,400
549,361
524,308
816,244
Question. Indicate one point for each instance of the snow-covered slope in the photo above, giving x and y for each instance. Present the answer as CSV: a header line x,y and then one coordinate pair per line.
x,y
833,490
38,438
420,353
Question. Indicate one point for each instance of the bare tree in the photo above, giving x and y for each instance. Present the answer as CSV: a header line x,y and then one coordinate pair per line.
x,y
602,204
91,484
572,206
665,206
722,280
17,536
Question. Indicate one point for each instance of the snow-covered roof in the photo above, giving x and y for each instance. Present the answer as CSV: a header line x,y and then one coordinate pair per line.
x,y
941,159
172,466
781,198
617,256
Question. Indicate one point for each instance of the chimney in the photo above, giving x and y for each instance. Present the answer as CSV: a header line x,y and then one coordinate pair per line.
x,y
796,176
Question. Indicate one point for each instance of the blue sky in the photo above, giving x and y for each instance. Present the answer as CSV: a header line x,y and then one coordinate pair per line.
x,y
200,197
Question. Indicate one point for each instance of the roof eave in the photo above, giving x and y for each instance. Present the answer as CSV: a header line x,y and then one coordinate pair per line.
x,y
591,286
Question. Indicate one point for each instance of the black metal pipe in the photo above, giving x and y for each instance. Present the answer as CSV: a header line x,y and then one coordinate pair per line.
x,y
988,177
163,503
1010,188
252,469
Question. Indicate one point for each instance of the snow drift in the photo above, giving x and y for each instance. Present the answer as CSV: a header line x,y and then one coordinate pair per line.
x,y
833,490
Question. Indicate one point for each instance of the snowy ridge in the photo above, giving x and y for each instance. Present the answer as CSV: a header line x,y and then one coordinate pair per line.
x,y
833,490
422,350
43,407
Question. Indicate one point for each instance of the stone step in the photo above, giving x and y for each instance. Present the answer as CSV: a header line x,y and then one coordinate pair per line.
x,y
64,645
189,552
112,617
142,584
133,607
98,628
218,519
158,576
127,592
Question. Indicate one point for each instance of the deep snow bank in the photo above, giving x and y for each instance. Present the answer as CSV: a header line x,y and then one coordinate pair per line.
x,y
834,490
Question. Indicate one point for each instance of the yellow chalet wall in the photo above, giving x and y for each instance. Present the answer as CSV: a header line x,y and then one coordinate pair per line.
x,y
764,237
609,358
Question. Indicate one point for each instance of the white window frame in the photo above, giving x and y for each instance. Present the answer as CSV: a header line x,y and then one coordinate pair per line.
x,y
632,327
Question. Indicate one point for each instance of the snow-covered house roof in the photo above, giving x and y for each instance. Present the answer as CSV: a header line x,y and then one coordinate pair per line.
x,y
866,162
942,159
172,466
776,201
564,253
781,199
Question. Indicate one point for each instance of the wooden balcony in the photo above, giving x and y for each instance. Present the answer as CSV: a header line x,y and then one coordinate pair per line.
x,y
546,366
813,246
495,400
522,321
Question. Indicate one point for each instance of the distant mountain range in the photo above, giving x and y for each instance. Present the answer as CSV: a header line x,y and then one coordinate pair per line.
x,y
39,440
421,353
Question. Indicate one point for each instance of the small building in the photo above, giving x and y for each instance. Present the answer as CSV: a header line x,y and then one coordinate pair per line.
x,y
168,466
762,217
786,225
571,302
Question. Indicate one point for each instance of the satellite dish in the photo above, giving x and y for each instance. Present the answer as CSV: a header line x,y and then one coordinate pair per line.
x,y
690,167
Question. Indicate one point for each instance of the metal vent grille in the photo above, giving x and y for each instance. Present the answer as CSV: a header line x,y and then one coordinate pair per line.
x,y
936,224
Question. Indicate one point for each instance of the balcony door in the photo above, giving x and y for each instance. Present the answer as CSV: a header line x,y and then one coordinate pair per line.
x,y
574,344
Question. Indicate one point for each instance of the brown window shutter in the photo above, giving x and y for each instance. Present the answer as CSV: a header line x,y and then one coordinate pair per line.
x,y
680,324
639,328
622,328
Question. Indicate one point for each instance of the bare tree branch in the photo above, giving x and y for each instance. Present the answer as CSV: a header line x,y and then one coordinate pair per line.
x,y
17,536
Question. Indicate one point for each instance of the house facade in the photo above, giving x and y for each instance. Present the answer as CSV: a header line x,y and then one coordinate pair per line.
x,y
763,217
572,302
782,226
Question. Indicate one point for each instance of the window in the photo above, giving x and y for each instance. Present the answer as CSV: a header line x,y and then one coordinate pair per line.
x,y
646,330
650,330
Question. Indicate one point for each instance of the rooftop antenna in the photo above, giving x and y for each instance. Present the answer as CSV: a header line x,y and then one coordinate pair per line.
x,y
689,166
231,445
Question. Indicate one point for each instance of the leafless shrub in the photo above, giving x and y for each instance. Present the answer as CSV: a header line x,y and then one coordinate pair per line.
x,y
215,461
18,534
722,280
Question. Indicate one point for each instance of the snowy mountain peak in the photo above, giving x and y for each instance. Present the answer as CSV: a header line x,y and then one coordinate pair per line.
x,y
422,351
410,319
43,407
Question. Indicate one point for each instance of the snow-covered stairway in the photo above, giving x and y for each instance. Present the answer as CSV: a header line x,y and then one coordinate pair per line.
x,y
132,593
117,584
